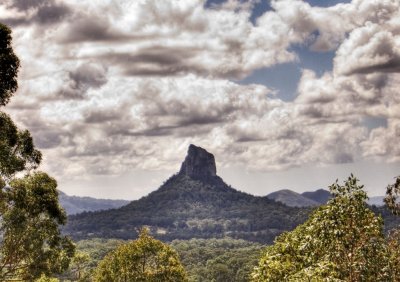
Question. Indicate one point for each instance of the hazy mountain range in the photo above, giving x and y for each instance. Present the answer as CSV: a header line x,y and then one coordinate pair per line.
x,y
306,199
75,204
311,199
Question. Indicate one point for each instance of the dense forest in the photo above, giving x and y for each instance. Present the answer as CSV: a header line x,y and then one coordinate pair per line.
x,y
203,259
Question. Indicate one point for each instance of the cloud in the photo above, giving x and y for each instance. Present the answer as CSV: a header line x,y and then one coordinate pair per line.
x,y
171,38
382,143
89,28
83,78
23,5
107,87
51,14
155,61
371,48
42,12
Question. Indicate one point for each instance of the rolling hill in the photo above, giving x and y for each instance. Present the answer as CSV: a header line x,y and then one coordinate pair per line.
x,y
320,196
292,199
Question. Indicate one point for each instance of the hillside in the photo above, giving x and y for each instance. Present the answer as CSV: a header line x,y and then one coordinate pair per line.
x,y
312,198
75,204
292,199
194,203
321,196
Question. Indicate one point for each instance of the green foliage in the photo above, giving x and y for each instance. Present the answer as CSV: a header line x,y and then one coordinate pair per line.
x,y
44,278
392,197
9,65
218,260
31,243
17,152
393,245
341,241
89,254
98,248
79,268
393,242
204,259
184,208
145,259
31,240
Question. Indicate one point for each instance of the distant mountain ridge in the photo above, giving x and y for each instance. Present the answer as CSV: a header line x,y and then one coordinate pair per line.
x,y
320,196
312,199
306,199
292,199
194,203
75,204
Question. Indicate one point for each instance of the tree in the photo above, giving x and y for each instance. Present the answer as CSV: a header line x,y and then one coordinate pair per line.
x,y
17,152
31,245
341,241
9,65
80,266
392,197
144,259
393,241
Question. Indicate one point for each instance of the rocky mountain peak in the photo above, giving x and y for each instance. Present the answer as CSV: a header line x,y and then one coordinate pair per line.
x,y
198,164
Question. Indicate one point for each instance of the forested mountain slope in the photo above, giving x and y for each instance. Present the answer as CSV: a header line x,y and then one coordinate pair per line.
x,y
194,203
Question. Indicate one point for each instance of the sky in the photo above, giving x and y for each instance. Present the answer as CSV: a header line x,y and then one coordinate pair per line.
x,y
287,94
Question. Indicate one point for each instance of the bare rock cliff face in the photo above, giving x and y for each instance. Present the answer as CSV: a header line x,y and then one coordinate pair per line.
x,y
199,164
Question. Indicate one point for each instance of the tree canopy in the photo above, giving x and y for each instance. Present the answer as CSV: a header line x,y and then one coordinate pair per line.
x,y
31,245
9,65
17,152
341,241
392,197
144,259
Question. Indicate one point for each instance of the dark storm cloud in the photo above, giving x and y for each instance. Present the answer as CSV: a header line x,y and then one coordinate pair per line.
x,y
51,14
245,139
46,13
82,79
391,66
14,21
152,132
206,118
23,5
155,61
312,111
343,158
89,75
185,126
47,139
92,29
105,115
165,61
